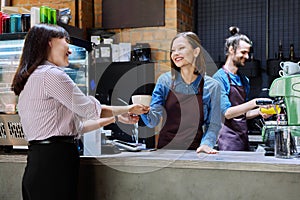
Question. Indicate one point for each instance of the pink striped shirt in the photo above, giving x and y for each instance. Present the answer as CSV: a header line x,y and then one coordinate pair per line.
x,y
52,105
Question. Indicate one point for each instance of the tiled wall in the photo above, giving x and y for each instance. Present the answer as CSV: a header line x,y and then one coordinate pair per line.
x,y
178,17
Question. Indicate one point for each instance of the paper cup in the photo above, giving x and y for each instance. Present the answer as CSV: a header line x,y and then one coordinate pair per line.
x,y
141,99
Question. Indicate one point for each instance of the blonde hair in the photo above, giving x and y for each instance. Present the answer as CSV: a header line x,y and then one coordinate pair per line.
x,y
194,40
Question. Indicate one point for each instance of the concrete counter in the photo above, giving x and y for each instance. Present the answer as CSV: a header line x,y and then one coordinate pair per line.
x,y
169,174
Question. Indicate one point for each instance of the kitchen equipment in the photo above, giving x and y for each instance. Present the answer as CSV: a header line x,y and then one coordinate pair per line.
x,y
287,88
110,82
285,146
11,132
269,127
141,52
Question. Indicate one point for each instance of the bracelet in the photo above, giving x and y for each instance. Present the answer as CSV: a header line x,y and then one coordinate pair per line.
x,y
116,119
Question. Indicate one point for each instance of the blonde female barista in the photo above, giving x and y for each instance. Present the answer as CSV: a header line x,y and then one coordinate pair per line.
x,y
186,99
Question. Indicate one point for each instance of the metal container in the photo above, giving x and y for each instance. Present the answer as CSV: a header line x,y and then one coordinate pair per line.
x,y
52,16
285,145
44,14
5,22
25,19
15,23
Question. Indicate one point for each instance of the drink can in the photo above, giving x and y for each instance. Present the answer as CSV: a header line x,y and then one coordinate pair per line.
x,y
0,22
49,15
53,16
15,23
25,18
44,10
5,24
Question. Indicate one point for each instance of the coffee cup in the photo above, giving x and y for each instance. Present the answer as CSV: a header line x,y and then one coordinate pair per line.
x,y
282,73
141,99
289,68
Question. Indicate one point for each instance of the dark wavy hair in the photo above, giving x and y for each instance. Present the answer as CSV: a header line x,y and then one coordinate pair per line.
x,y
35,52
194,40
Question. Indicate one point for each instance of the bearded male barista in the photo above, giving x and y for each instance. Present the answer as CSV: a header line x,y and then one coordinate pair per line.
x,y
233,135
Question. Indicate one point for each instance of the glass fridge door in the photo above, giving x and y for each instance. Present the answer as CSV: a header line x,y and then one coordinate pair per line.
x,y
77,69
10,52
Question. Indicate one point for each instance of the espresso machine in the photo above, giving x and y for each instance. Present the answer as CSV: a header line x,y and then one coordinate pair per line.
x,y
284,131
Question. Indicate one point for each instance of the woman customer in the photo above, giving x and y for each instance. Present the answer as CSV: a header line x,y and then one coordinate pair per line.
x,y
52,111
186,99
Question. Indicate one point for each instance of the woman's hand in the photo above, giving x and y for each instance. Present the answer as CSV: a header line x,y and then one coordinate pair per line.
x,y
206,149
138,109
128,119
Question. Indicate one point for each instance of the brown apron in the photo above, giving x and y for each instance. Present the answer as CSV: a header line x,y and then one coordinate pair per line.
x,y
185,117
233,135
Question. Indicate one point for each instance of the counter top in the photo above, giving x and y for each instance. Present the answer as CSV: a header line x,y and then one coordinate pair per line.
x,y
252,176
226,160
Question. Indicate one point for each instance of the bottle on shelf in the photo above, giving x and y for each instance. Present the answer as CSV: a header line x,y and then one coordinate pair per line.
x,y
292,53
280,51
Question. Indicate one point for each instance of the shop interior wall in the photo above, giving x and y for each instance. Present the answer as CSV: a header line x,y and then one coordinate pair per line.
x,y
87,14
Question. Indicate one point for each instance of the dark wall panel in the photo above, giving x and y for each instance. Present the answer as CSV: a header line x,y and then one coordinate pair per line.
x,y
132,13
284,26
216,16
266,22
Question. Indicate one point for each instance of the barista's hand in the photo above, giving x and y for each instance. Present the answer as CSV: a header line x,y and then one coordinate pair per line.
x,y
206,149
138,109
264,115
128,119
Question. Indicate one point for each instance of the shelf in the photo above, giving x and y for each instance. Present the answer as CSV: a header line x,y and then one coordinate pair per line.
x,y
12,36
74,39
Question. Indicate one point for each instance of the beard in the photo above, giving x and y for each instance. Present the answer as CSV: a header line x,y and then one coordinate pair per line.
x,y
238,63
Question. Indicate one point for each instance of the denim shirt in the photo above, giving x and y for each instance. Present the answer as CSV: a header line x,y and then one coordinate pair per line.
x,y
211,103
221,76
